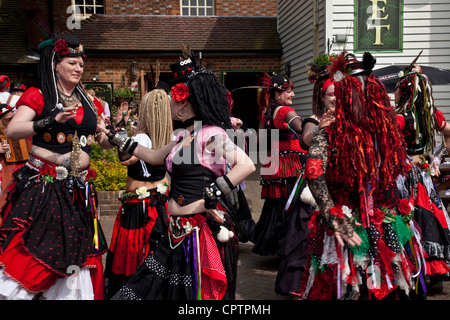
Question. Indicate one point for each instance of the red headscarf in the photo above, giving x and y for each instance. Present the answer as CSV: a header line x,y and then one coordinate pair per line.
x,y
326,84
3,78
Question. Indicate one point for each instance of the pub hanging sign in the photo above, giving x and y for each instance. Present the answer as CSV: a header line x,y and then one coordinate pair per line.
x,y
378,25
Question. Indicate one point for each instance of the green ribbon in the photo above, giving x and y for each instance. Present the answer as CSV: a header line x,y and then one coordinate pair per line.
x,y
401,230
361,250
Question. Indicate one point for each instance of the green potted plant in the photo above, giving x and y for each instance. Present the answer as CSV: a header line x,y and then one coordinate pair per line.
x,y
122,95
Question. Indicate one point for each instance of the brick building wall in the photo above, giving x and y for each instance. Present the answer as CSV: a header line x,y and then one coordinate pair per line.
x,y
172,7
40,8
161,7
246,8
111,68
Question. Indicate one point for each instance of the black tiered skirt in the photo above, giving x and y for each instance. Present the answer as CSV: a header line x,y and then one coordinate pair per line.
x,y
189,264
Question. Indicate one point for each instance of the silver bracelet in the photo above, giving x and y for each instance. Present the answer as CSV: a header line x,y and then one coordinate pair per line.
x,y
290,120
120,138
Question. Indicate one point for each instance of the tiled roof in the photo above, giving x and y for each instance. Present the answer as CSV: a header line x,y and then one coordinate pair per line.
x,y
165,33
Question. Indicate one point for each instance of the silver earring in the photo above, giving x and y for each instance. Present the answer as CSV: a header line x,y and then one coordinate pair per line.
x,y
182,115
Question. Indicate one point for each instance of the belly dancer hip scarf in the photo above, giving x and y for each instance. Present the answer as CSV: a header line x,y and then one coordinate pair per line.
x,y
78,182
50,224
210,281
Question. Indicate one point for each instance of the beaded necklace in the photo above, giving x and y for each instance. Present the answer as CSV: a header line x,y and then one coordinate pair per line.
x,y
70,100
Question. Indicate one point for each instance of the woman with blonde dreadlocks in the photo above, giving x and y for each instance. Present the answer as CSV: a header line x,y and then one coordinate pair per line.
x,y
142,218
420,121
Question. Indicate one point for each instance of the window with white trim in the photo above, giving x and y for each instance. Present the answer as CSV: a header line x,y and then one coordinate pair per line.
x,y
89,7
197,7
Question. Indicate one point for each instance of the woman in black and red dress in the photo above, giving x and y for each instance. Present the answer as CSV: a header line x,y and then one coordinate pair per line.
x,y
197,258
279,174
420,121
301,204
50,224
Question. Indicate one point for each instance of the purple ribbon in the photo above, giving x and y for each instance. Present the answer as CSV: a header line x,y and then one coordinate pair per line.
x,y
194,249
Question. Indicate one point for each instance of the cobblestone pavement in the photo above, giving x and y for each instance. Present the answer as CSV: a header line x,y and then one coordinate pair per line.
x,y
257,274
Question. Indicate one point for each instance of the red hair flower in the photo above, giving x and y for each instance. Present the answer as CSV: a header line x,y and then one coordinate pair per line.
x,y
61,47
313,168
179,92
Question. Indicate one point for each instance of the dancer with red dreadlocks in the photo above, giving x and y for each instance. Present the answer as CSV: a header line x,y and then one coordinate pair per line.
x,y
420,121
275,101
361,239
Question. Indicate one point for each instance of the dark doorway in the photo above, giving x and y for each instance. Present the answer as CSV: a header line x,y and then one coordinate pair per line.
x,y
245,104
163,76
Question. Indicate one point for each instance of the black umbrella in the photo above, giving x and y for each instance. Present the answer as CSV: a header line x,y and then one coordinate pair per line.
x,y
389,75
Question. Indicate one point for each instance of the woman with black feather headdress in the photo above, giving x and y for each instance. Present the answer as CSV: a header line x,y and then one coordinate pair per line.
x,y
197,258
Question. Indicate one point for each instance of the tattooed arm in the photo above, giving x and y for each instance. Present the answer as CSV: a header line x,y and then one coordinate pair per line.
x,y
242,164
316,166
60,159
222,147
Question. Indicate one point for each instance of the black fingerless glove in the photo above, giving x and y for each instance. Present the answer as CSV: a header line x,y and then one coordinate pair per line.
x,y
47,123
129,147
111,133
210,203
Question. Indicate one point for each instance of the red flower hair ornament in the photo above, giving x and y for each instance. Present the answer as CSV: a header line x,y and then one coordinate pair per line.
x,y
61,47
179,92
